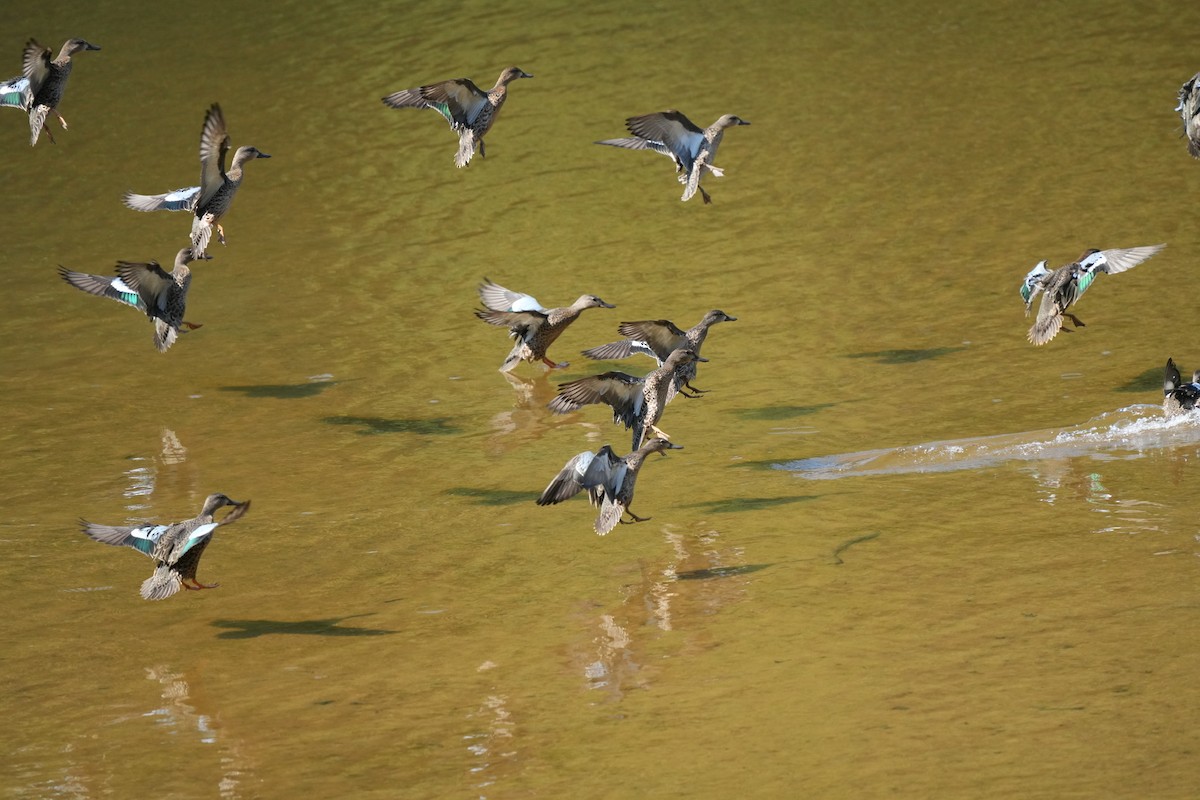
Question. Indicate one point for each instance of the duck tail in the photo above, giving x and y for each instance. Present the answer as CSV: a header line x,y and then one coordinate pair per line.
x,y
610,517
162,584
1045,329
466,149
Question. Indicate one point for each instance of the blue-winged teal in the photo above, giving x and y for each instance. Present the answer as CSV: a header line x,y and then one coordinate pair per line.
x,y
1063,287
1189,111
39,89
1179,397
175,548
608,479
637,403
535,328
680,139
470,111
658,338
209,201
161,296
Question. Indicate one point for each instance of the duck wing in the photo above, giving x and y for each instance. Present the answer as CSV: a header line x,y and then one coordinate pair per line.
x,y
674,131
586,470
660,335
16,93
497,298
1121,259
622,392
178,200
105,286
214,144
35,64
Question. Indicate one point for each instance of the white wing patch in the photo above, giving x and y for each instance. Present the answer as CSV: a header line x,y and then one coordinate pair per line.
x,y
150,534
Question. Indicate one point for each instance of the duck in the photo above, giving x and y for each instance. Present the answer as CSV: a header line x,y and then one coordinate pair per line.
x,y
40,87
470,111
1062,288
638,403
658,338
209,201
609,480
1189,111
535,328
161,296
1179,397
176,548
677,137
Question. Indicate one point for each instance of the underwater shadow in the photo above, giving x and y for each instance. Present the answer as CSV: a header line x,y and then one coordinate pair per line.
x,y
782,412
283,391
719,572
491,497
907,356
751,503
374,426
253,628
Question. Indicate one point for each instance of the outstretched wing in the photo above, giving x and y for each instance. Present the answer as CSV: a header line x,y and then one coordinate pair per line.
x,y
615,351
143,539
104,286
214,144
1121,259
618,390
520,323
674,131
179,200
497,298
460,101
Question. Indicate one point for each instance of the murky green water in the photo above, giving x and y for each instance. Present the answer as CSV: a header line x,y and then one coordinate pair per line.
x,y
903,554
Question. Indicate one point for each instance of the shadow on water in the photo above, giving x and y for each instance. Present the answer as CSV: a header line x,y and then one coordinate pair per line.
x,y
719,572
374,426
491,497
1149,381
907,356
283,391
253,628
751,503
782,412
1126,433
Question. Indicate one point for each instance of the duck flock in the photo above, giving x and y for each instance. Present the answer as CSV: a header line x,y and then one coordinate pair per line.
x,y
637,402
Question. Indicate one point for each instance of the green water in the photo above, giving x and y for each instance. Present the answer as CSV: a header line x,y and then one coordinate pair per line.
x,y
991,617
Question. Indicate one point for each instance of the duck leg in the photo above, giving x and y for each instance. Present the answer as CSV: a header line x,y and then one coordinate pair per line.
x,y
1078,322
657,431
191,326
636,519
62,121
198,585
704,194
553,365
220,234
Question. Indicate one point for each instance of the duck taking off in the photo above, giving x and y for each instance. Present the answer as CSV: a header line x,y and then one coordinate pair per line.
x,y
470,111
535,328
1062,288
40,87
608,479
161,296
658,338
209,201
175,548
1179,397
681,140
637,403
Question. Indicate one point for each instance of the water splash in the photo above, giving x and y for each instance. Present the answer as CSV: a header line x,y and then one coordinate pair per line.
x,y
1125,433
